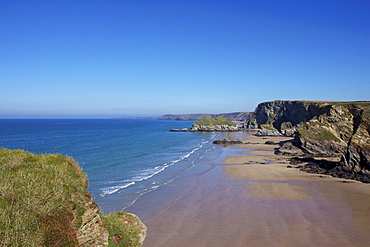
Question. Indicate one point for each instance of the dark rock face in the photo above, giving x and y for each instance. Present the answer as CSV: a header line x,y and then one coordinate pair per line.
x,y
328,168
356,157
228,141
289,149
321,129
327,134
323,148
282,113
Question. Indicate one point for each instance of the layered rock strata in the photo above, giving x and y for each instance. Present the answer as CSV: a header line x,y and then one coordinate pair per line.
x,y
324,129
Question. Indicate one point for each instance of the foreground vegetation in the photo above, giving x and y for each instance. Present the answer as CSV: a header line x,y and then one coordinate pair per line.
x,y
43,199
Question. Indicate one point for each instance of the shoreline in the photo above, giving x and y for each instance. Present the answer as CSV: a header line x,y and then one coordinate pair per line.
x,y
250,198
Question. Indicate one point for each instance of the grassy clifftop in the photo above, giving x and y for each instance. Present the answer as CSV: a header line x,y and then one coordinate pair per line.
x,y
44,202
208,121
38,195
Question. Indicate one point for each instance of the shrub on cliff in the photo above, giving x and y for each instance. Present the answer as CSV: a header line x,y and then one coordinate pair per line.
x,y
124,229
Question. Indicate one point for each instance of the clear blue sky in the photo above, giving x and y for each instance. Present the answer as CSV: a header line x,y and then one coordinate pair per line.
x,y
147,57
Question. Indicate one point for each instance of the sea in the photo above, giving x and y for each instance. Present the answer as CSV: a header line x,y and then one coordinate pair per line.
x,y
124,159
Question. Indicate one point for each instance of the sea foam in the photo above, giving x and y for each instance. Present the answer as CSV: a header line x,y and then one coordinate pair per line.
x,y
149,173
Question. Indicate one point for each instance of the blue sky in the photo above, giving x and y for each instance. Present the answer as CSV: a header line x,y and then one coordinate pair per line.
x,y
147,57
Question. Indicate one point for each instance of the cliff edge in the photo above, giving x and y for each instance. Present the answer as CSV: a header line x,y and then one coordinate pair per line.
x,y
324,129
44,202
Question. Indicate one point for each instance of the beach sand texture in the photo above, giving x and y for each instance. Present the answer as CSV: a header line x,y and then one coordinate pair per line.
x,y
246,202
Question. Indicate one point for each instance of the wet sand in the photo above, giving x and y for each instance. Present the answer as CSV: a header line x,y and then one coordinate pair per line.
x,y
253,199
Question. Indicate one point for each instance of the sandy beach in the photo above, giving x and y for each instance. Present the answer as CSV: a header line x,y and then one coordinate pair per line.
x,y
251,198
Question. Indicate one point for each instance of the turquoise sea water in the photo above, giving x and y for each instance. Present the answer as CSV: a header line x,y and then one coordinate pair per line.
x,y
123,158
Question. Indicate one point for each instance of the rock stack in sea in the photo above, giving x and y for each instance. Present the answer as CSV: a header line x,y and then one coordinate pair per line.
x,y
208,124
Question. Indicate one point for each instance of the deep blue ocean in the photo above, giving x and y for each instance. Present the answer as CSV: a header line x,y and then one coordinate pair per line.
x,y
123,158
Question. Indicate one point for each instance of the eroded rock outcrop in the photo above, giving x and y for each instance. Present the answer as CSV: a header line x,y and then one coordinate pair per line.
x,y
325,129
228,141
326,134
288,148
283,115
356,157
268,130
91,231
208,124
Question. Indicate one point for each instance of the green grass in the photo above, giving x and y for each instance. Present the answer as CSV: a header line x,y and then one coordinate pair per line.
x,y
208,121
35,191
42,200
318,134
122,229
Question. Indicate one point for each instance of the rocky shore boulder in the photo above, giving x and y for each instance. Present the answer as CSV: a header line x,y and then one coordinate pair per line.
x,y
288,148
180,130
228,141
268,130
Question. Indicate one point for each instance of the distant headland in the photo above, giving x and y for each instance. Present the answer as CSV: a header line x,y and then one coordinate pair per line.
x,y
234,116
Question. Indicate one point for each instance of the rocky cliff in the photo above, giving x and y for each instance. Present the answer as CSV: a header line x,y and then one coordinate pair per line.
x,y
357,153
326,129
281,115
44,202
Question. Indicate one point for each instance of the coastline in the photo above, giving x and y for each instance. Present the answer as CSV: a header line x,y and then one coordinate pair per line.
x,y
238,202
